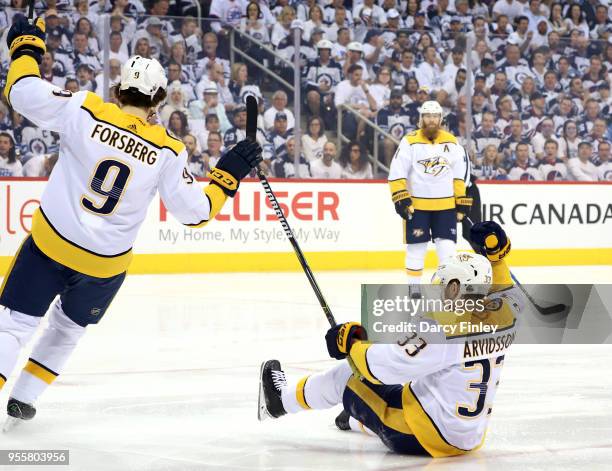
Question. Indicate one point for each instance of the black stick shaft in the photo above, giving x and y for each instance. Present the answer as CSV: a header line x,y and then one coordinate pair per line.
x,y
31,11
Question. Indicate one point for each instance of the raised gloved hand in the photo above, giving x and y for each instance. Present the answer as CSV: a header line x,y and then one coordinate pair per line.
x,y
403,204
463,204
26,39
340,338
491,239
234,165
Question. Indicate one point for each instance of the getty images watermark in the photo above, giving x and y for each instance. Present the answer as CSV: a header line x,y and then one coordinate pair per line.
x,y
506,314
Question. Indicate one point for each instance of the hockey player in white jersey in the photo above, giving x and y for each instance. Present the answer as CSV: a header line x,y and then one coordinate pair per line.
x,y
429,395
427,178
111,163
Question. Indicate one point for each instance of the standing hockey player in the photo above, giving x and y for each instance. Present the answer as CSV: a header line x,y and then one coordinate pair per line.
x,y
111,164
419,397
427,177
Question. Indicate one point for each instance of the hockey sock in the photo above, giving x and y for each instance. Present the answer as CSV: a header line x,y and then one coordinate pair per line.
x,y
49,355
16,329
318,391
445,248
415,261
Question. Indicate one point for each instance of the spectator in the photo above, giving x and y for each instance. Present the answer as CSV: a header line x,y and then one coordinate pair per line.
x,y
521,170
598,132
355,164
535,113
340,47
85,77
453,88
114,77
367,16
278,137
190,36
429,72
285,167
253,24
175,74
394,119
118,50
403,68
322,75
551,167
142,47
282,27
575,20
604,170
81,53
581,168
487,134
562,113
508,147
229,13
381,88
236,133
337,22
178,124
315,21
47,72
545,133
354,57
489,168
591,113
40,165
330,13
214,150
9,165
314,139
522,36
556,20
83,25
505,114
176,102
215,77
373,49
279,105
568,143
354,93
326,167
210,43
196,164
211,124
199,109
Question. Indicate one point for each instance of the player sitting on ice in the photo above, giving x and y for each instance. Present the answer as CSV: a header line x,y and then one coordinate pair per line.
x,y
427,179
418,397
111,164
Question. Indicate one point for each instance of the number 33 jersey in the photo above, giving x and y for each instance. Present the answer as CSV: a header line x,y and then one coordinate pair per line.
x,y
110,166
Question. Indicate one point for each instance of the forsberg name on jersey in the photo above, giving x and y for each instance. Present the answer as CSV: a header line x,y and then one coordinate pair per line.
x,y
125,143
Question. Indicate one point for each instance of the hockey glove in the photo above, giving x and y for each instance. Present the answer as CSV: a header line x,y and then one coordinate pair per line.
x,y
403,204
234,165
463,204
340,338
491,239
26,39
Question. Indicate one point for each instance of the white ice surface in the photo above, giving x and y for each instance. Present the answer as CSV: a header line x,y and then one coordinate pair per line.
x,y
168,381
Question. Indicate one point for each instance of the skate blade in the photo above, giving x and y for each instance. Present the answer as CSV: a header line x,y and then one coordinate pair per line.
x,y
10,424
262,412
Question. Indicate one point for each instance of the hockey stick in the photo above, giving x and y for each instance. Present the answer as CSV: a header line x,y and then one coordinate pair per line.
x,y
544,310
31,11
251,132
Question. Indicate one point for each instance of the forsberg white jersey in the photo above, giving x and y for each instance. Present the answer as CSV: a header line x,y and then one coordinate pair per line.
x,y
110,166
434,172
449,387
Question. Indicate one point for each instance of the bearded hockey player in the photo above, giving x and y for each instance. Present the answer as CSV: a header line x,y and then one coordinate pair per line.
x,y
427,178
426,397
111,164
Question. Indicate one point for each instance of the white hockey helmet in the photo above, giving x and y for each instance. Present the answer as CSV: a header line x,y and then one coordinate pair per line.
x,y
472,271
430,107
324,44
145,75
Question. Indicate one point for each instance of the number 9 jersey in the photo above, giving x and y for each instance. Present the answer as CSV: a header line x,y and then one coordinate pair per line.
x,y
110,166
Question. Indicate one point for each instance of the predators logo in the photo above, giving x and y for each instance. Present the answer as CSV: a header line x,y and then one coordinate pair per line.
x,y
435,165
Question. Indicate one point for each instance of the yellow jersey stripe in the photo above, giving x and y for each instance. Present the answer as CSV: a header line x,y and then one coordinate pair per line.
x,y
300,394
216,199
424,428
358,354
40,371
443,137
433,204
458,187
20,68
2,381
398,185
71,255
10,268
389,416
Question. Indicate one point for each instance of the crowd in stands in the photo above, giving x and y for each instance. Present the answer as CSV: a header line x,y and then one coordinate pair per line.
x,y
539,94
